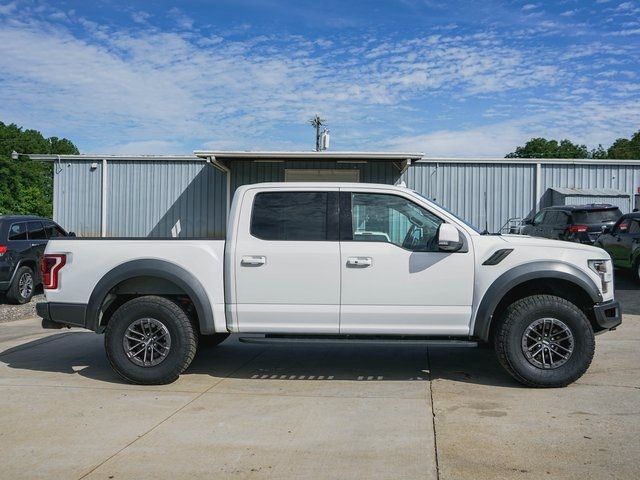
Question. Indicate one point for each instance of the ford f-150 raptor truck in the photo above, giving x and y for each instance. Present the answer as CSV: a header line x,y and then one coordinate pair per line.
x,y
335,261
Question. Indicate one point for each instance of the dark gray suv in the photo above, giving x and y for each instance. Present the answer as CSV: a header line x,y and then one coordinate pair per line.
x,y
574,223
22,243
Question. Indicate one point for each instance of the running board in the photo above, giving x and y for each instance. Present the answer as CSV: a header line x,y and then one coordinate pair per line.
x,y
318,339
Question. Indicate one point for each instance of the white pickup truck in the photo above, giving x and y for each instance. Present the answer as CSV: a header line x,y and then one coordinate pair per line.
x,y
336,262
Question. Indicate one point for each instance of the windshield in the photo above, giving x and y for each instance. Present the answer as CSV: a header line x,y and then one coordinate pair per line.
x,y
472,227
597,216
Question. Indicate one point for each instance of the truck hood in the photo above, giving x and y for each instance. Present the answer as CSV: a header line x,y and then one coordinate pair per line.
x,y
526,240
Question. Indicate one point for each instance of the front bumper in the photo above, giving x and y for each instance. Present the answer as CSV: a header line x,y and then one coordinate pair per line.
x,y
608,314
58,315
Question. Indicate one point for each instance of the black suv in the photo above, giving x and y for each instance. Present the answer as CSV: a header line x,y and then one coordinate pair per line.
x,y
22,243
575,223
622,242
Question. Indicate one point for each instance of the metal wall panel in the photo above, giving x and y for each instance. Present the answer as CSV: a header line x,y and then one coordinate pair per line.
x,y
625,178
76,196
149,198
244,172
484,194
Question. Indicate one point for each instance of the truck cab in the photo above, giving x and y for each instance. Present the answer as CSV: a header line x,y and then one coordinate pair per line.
x,y
335,261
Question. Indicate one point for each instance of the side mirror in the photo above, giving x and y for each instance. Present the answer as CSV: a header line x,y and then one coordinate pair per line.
x,y
527,221
449,239
607,229
71,234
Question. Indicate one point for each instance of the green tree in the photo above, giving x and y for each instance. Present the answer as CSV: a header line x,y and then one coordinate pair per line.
x,y
543,148
624,148
599,153
26,187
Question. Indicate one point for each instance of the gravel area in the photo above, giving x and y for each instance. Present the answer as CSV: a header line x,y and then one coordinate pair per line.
x,y
9,313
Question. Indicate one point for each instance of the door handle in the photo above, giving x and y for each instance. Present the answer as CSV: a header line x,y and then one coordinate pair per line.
x,y
35,244
359,262
253,260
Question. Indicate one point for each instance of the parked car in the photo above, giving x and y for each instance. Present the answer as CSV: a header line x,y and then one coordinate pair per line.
x,y
22,243
574,223
622,242
335,262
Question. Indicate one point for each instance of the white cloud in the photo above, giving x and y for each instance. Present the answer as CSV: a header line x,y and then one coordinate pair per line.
x,y
8,8
143,90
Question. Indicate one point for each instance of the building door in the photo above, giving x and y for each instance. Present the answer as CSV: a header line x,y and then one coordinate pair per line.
x,y
321,175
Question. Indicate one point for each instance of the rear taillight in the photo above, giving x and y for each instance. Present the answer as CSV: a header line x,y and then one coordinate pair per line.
x,y
577,228
3,250
50,266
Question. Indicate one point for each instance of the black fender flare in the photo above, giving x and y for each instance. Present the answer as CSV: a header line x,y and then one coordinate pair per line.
x,y
523,273
151,268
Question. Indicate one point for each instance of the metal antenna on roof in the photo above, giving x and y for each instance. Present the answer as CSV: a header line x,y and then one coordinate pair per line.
x,y
317,122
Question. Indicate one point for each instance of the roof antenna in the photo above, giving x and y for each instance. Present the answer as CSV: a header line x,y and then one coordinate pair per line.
x,y
318,122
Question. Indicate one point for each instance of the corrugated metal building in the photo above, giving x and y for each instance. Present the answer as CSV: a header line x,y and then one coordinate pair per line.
x,y
488,192
160,196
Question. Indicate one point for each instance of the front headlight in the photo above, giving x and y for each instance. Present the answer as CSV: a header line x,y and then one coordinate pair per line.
x,y
604,269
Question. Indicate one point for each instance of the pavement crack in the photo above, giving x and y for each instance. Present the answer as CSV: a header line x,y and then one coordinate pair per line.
x,y
433,414
170,416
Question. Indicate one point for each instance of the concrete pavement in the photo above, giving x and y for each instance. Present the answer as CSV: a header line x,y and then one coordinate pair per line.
x,y
300,411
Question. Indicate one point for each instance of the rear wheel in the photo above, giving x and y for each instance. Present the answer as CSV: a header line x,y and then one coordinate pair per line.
x,y
150,340
544,341
635,270
22,287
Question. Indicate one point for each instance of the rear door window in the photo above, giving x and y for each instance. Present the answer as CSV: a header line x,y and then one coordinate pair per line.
x,y
18,231
597,216
634,227
299,216
36,231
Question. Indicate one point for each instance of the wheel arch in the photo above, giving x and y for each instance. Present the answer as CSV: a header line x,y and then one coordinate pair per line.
x,y
150,276
557,278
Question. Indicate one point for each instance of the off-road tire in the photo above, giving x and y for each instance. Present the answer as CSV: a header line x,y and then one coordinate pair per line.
x,y
184,340
13,294
208,341
524,312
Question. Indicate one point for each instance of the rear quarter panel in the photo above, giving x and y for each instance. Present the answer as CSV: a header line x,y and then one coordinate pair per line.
x,y
88,260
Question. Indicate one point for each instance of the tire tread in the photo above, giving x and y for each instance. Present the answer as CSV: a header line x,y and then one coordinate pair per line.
x,y
508,323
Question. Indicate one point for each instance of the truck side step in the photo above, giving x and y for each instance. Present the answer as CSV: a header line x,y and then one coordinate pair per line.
x,y
357,339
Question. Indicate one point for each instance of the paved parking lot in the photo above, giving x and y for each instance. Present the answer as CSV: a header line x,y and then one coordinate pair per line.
x,y
253,411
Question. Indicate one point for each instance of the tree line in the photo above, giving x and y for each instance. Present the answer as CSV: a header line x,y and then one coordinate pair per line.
x,y
26,187
621,149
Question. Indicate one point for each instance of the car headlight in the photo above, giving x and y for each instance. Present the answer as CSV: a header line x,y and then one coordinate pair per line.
x,y
604,270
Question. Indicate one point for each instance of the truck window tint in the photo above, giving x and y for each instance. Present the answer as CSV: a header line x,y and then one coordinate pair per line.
x,y
393,219
290,216
36,231
18,231
634,227
54,231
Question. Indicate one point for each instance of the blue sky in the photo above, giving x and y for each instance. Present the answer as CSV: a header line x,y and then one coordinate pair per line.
x,y
442,77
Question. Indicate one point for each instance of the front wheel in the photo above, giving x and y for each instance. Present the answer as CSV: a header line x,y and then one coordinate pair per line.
x,y
150,341
544,341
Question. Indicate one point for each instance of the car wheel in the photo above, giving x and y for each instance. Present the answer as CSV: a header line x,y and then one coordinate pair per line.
x,y
636,270
544,341
22,287
150,341
212,340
